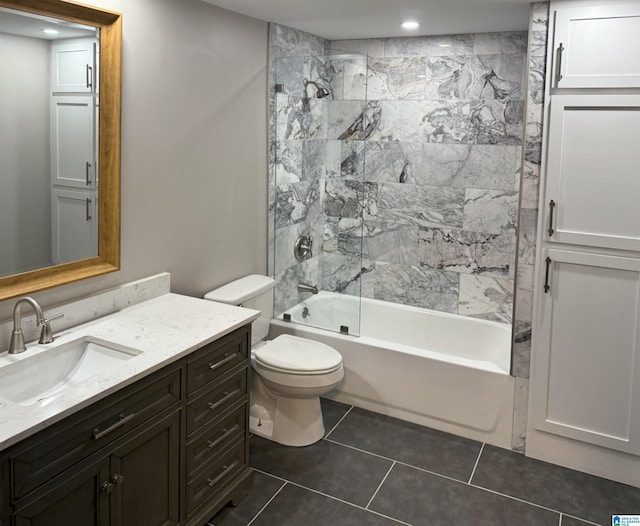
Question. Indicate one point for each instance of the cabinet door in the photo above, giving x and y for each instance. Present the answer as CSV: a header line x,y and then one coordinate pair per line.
x,y
82,500
587,350
592,172
73,141
597,47
73,65
74,225
145,474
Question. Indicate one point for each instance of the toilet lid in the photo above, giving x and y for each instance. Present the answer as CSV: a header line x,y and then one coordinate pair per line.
x,y
293,353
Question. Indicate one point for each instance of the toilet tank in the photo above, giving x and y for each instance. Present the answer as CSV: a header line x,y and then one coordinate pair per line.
x,y
253,292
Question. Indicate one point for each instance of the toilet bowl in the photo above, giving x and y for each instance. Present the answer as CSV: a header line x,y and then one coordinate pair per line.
x,y
289,373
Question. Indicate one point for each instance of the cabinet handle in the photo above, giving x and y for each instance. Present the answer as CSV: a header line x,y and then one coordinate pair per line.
x,y
225,469
227,396
546,275
221,438
88,208
122,420
552,205
559,63
117,479
87,173
89,76
227,358
106,487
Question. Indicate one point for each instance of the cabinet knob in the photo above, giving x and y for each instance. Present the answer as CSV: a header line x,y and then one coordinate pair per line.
x,y
117,479
106,487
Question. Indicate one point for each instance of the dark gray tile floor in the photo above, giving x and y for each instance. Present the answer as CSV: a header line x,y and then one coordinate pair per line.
x,y
375,470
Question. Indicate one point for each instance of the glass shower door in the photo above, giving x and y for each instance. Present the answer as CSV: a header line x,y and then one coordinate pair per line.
x,y
318,170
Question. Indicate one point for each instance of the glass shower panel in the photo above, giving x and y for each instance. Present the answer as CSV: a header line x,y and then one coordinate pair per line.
x,y
318,171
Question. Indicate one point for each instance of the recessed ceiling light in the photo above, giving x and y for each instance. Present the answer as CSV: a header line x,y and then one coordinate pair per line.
x,y
51,31
410,24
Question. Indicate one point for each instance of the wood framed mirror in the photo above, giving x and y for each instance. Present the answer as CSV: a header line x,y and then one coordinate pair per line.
x,y
109,51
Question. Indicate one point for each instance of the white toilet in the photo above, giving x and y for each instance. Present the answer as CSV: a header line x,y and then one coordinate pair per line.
x,y
289,373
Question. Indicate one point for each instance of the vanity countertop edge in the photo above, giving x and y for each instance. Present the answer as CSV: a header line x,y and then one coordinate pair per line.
x,y
165,329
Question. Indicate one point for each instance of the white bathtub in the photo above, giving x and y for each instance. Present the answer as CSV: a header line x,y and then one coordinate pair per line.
x,y
440,370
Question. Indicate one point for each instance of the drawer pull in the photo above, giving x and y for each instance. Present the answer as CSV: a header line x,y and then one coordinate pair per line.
x,y
552,205
122,420
547,287
225,469
226,398
225,433
227,358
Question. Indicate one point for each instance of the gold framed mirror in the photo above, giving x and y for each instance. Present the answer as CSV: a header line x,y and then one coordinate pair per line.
x,y
107,260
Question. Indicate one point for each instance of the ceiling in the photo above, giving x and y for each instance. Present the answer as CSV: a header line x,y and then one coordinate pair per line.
x,y
32,26
348,19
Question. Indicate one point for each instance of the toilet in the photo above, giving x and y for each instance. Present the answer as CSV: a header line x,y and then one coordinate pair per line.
x,y
289,373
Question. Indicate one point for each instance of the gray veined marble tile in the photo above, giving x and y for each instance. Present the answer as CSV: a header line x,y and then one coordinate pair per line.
x,y
352,160
287,41
289,72
417,286
537,67
420,205
490,211
298,202
485,297
437,45
386,162
374,47
504,81
521,402
539,16
527,229
533,136
294,121
285,238
345,119
438,121
397,78
530,187
538,43
333,158
349,77
390,242
490,167
496,123
455,77
286,293
507,42
313,161
341,274
350,198
288,162
467,252
349,236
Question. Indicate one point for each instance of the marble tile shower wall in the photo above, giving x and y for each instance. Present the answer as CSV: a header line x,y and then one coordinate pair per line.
x,y
414,160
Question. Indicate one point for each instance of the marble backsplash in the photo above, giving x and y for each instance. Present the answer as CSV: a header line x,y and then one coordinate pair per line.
x,y
413,162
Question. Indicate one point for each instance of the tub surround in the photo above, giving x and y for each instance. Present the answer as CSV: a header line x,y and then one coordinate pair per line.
x,y
165,329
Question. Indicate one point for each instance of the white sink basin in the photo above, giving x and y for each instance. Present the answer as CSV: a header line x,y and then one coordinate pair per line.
x,y
42,378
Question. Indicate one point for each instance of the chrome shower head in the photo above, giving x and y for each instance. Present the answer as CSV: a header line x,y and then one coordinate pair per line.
x,y
321,92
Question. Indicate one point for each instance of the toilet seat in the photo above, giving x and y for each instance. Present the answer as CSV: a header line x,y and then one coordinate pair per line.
x,y
295,355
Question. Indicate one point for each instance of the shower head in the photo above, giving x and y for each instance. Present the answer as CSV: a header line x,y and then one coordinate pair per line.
x,y
321,92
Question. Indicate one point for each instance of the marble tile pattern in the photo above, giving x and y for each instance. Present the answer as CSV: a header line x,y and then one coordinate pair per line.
x,y
417,158
528,217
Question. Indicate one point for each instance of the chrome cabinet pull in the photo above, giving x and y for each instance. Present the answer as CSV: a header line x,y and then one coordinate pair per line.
x,y
559,63
88,209
547,288
87,171
225,433
227,358
552,205
227,396
225,469
89,76
122,420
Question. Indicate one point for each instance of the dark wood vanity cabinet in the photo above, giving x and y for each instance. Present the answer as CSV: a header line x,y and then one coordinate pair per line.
x,y
170,449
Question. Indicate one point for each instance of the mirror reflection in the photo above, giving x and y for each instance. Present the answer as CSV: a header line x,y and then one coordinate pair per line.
x,y
49,172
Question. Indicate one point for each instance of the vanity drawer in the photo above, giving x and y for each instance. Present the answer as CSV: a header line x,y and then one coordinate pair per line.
x,y
210,405
50,452
217,477
217,358
230,428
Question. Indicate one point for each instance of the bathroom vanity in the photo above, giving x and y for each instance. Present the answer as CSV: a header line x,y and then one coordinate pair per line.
x,y
161,439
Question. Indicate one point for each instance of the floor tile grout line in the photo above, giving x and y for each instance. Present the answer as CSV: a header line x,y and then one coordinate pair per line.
x,y
560,520
339,422
268,502
473,472
332,441
331,497
379,486
578,518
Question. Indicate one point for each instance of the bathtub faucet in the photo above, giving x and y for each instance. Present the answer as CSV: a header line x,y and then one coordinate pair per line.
x,y
303,287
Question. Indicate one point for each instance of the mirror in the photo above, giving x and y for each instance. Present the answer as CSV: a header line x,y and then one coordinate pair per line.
x,y
80,136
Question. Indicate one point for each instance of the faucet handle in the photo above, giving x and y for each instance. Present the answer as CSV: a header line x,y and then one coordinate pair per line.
x,y
46,336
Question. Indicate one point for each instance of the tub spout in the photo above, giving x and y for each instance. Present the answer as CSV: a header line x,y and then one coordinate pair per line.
x,y
303,287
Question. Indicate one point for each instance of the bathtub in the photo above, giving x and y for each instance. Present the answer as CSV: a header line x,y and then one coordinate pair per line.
x,y
444,371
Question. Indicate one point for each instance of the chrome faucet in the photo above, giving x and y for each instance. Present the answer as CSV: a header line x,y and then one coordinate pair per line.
x,y
17,338
303,287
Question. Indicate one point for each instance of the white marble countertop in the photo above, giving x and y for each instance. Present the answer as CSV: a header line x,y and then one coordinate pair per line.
x,y
165,329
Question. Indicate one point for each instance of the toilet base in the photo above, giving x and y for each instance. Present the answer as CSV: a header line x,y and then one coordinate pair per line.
x,y
294,421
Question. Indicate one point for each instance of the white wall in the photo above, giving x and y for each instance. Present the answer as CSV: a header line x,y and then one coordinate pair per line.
x,y
25,235
194,161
